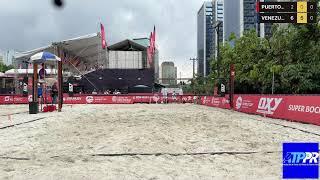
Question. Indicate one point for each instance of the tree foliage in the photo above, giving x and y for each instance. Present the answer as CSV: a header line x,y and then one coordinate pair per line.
x,y
292,54
4,67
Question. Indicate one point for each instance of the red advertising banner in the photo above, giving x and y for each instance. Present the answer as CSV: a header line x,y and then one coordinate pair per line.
x,y
98,100
295,108
13,100
220,102
158,98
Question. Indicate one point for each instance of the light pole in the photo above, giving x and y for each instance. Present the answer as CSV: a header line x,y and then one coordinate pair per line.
x,y
217,28
193,66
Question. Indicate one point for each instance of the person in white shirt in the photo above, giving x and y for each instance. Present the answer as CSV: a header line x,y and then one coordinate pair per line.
x,y
174,96
165,95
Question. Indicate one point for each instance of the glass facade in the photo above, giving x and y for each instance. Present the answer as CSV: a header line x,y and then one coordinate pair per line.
x,y
218,17
231,20
169,73
249,15
250,18
205,36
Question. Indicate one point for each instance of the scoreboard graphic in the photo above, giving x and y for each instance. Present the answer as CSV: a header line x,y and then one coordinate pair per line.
x,y
300,12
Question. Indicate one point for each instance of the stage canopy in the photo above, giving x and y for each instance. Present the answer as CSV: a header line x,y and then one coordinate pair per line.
x,y
78,54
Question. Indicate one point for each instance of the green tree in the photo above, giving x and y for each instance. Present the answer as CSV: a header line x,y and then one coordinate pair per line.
x,y
4,67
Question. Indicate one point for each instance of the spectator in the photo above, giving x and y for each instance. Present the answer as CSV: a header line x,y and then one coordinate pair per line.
x,y
94,91
194,99
107,92
25,89
174,96
165,95
42,72
39,90
54,93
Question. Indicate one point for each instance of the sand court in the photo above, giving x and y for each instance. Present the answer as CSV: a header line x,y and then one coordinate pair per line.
x,y
142,141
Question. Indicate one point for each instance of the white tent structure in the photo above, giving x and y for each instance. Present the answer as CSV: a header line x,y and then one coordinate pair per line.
x,y
2,74
28,71
77,54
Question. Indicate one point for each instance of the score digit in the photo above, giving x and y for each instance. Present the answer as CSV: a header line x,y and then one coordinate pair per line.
x,y
312,18
312,7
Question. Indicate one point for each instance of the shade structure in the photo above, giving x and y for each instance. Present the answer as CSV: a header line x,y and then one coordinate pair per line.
x,y
43,57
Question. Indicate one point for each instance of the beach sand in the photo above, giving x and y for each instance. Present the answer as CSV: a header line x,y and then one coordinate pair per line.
x,y
142,141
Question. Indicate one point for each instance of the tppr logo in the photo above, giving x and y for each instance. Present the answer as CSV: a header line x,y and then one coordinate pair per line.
x,y
268,105
300,160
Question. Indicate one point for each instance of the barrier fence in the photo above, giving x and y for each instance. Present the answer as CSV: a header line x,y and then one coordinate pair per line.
x,y
305,109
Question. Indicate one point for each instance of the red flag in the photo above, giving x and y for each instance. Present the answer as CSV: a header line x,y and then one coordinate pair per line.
x,y
151,42
258,6
148,55
103,37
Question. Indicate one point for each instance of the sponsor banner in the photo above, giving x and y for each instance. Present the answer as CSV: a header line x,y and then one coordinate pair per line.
x,y
295,108
75,99
98,100
141,99
187,99
121,100
305,108
13,100
220,102
156,98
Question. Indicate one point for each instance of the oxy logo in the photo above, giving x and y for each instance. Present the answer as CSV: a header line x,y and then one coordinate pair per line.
x,y
89,99
300,160
268,105
239,102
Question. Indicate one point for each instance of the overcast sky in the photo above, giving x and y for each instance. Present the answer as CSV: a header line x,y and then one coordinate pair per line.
x,y
29,24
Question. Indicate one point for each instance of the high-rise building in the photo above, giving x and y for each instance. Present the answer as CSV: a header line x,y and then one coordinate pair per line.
x,y
168,73
231,20
205,37
236,16
249,19
218,17
6,57
1,59
240,16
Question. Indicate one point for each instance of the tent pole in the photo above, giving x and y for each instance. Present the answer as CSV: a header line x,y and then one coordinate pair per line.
x,y
35,83
60,92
